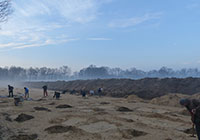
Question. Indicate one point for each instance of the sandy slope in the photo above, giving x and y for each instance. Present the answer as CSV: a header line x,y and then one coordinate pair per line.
x,y
91,118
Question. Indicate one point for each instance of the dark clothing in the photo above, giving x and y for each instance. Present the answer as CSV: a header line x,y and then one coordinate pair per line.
x,y
45,91
10,91
195,104
73,91
83,93
17,100
198,131
100,91
44,88
57,95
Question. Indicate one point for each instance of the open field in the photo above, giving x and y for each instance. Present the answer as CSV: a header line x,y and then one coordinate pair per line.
x,y
106,118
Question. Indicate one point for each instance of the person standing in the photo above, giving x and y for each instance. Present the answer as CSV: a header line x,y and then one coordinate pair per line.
x,y
10,91
45,93
26,92
100,90
83,93
193,106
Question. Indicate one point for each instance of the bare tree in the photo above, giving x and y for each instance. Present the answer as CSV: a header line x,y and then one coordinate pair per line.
x,y
5,9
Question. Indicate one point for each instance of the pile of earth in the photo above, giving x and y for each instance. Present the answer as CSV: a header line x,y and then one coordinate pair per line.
x,y
169,100
60,129
131,133
23,117
24,137
134,98
147,88
42,109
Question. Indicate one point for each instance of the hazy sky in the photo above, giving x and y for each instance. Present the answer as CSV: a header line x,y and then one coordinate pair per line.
x,y
146,34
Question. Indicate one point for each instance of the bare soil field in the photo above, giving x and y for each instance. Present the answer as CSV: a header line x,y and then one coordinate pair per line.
x,y
93,118
147,88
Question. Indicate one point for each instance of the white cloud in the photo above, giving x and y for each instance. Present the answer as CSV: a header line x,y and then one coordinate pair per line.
x,y
128,22
80,11
9,45
99,39
37,23
6,33
45,43
30,45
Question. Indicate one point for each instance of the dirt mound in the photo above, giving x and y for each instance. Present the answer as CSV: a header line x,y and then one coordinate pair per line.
x,y
169,100
24,137
128,120
124,109
42,109
23,117
163,116
134,98
64,106
196,96
5,132
60,129
98,109
147,88
7,117
104,103
53,103
190,131
42,99
131,133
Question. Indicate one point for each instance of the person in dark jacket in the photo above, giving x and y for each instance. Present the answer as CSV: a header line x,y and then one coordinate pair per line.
x,y
83,93
193,106
57,95
10,91
45,93
100,90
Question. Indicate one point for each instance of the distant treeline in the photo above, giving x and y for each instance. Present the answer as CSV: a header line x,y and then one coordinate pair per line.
x,y
91,72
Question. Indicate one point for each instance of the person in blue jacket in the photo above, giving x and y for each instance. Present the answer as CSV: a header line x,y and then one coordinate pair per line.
x,y
26,92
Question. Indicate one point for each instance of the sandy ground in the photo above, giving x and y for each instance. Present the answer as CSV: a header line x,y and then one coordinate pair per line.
x,y
90,118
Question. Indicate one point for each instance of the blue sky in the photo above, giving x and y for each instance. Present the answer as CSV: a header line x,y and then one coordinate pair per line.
x,y
146,34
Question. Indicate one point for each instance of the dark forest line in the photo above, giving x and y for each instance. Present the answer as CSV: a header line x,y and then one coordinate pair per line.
x,y
91,72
